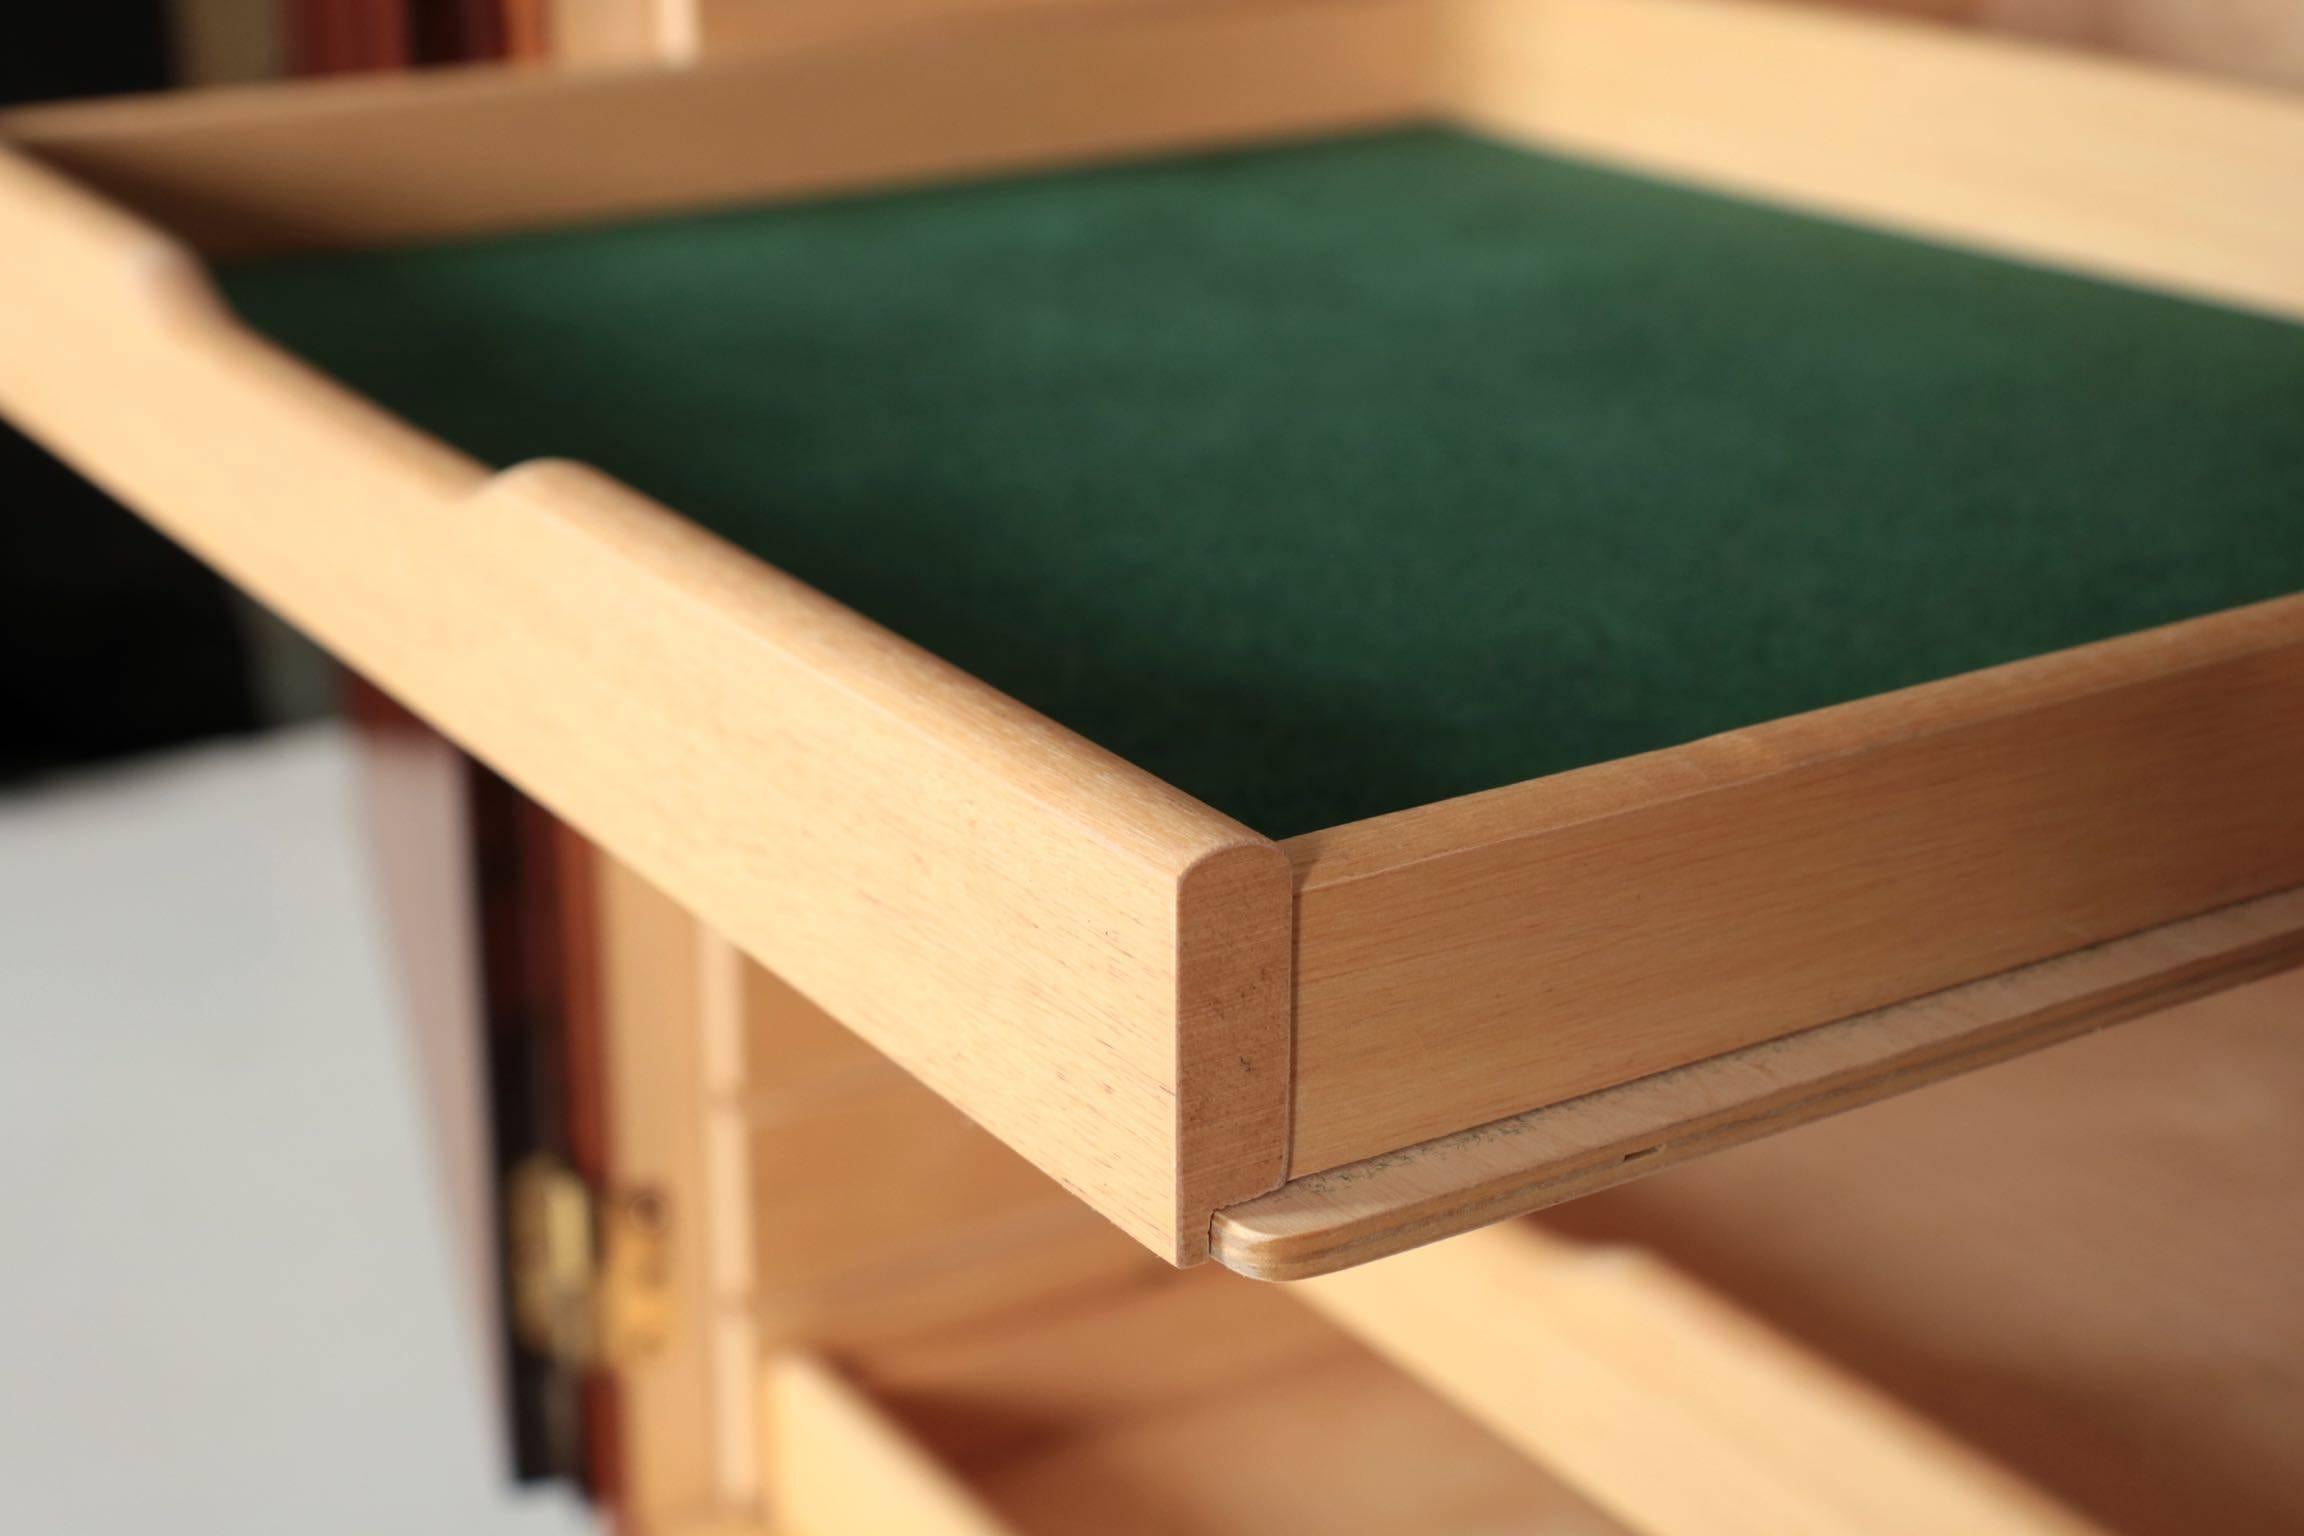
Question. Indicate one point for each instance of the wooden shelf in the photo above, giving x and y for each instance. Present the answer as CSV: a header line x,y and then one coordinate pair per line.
x,y
1671,1408
1199,1405
2084,1263
1508,1373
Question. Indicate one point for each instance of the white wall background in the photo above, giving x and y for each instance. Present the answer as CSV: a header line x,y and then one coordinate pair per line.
x,y
228,1299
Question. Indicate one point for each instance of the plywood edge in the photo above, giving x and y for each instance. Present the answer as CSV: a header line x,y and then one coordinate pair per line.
x,y
2145,175
837,1465
1387,1205
1666,1406
355,163
989,899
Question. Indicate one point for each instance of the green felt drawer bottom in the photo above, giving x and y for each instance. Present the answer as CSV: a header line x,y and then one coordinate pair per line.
x,y
1328,480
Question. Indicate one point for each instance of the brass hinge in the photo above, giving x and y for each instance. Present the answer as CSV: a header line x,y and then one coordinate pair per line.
x,y
590,1272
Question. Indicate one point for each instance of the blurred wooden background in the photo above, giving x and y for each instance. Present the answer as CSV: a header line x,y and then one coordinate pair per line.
x,y
2255,39
2250,39
240,39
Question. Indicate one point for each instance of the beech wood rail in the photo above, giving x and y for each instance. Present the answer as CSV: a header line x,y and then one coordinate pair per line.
x,y
1293,1055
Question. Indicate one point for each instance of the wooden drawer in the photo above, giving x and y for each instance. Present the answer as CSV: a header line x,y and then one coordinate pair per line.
x,y
1201,1405
1475,975
2083,1262
1205,1404
1935,1316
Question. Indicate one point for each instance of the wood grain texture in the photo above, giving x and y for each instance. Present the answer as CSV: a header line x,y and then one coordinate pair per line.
x,y
2085,1262
1667,1407
878,1212
1067,949
879,1178
653,964
369,162
1539,942
1203,1404
1345,1446
1014,1383
2250,39
1368,1210
817,1197
840,1466
1553,938
1087,962
2169,180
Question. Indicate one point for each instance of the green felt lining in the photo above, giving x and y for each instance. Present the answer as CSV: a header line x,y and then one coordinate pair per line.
x,y
1328,480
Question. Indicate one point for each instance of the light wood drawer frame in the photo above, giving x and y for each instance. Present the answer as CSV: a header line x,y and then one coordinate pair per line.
x,y
1167,1012
1666,1409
